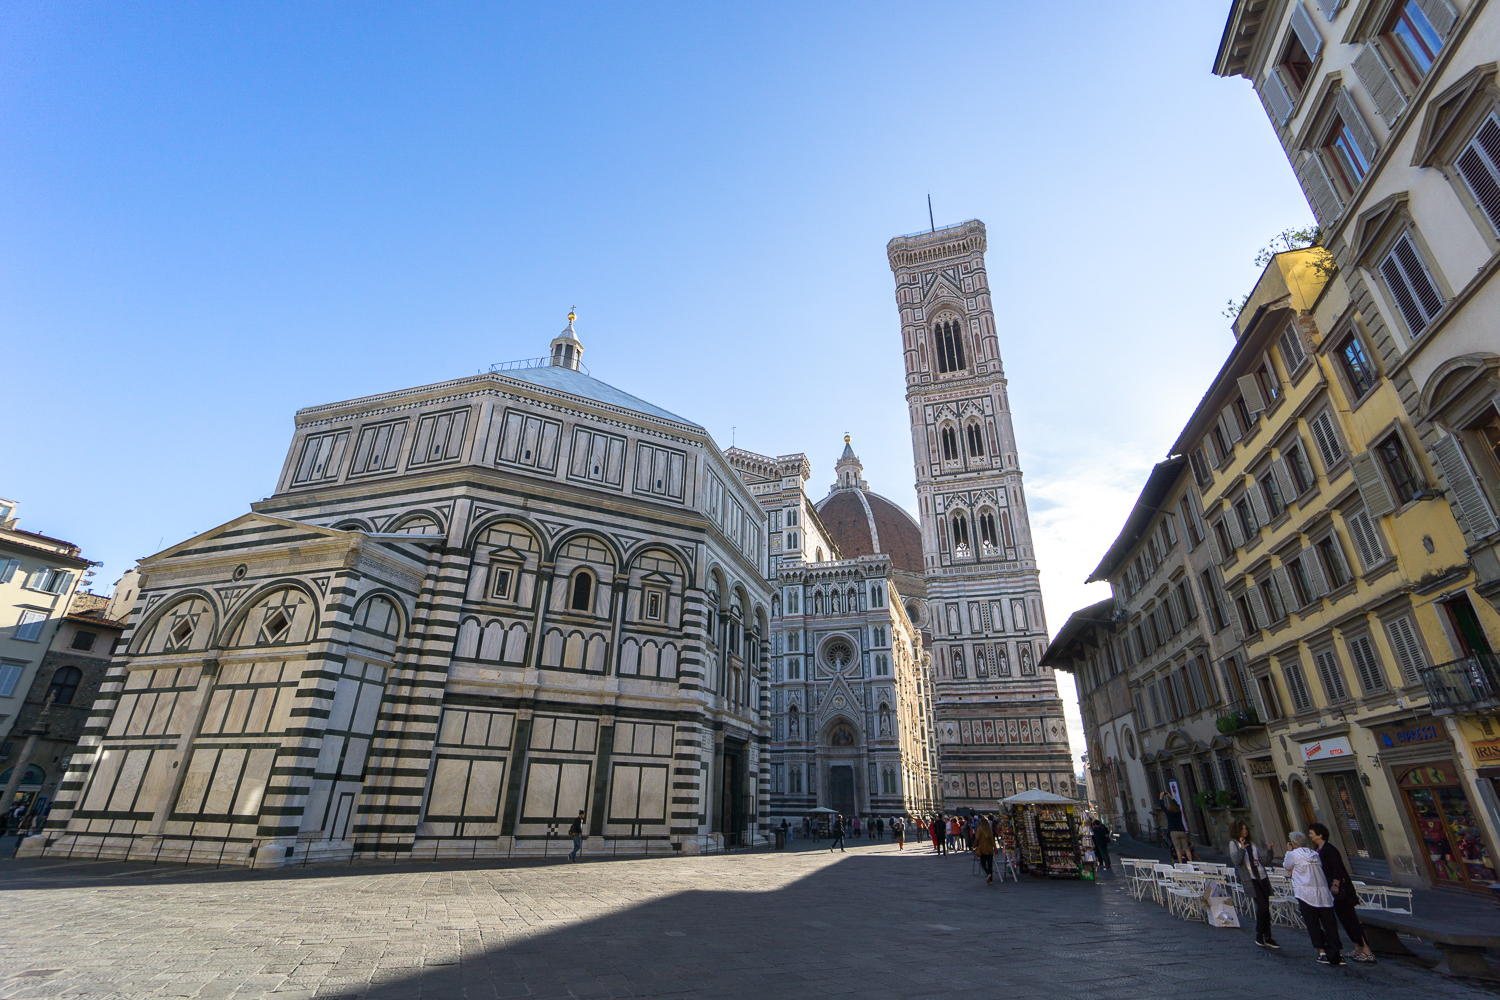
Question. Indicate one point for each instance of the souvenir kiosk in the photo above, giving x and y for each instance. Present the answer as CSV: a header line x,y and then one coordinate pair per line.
x,y
1045,827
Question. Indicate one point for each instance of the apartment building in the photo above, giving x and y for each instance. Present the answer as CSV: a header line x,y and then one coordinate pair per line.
x,y
38,577
1332,544
1387,110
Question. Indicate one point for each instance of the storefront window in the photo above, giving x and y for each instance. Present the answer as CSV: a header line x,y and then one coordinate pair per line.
x,y
1444,820
1351,814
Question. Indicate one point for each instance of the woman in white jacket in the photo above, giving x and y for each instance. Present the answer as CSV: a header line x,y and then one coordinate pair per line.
x,y
1313,898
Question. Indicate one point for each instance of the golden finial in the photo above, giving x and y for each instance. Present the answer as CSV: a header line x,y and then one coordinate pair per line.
x,y
572,314
846,437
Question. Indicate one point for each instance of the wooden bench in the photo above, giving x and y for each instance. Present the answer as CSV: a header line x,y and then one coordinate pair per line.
x,y
1463,951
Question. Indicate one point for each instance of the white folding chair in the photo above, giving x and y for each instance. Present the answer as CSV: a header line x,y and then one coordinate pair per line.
x,y
1284,908
1393,896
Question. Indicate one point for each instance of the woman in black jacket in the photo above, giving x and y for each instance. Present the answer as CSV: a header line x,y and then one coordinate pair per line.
x,y
1345,897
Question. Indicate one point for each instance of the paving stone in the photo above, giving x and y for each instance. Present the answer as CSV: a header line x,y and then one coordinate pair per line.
x,y
874,923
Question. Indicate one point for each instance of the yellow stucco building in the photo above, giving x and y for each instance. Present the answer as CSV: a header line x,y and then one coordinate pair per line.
x,y
1338,560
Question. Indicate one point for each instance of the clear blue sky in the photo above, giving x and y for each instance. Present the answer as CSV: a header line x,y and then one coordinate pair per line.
x,y
211,215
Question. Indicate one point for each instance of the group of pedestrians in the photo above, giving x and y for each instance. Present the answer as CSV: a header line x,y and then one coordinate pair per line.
x,y
21,820
976,832
1321,883
813,828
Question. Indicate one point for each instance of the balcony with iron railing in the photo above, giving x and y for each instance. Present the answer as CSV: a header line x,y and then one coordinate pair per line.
x,y
1238,717
1464,684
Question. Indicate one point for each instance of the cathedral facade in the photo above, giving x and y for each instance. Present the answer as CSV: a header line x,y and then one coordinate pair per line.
x,y
998,714
851,693
469,612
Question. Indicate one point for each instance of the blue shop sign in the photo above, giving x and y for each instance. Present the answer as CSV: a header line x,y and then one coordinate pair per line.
x,y
1390,739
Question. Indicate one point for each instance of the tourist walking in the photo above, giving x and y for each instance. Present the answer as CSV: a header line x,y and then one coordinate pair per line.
x,y
898,833
1246,857
854,826
838,835
1182,847
939,829
984,849
576,832
1313,898
1100,833
1341,886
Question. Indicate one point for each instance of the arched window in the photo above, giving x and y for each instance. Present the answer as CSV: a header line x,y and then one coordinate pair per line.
x,y
949,341
583,593
950,444
987,530
64,685
976,441
960,530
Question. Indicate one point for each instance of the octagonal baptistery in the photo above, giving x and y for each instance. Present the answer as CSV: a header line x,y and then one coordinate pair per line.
x,y
469,612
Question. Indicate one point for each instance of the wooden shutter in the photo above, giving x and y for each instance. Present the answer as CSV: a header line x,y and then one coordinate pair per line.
x,y
1258,504
1408,650
1284,480
1328,441
1380,83
1314,569
1366,664
1307,31
1330,7
1258,605
1250,389
1320,192
1292,351
1231,424
1278,98
1463,486
1332,676
1184,510
1284,584
1366,538
1440,13
1411,285
1355,122
1373,488
1236,535
1213,544
1480,166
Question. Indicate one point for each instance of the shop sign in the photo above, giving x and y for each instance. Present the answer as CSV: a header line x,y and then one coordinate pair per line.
x,y
1487,753
1412,735
1338,746
1262,766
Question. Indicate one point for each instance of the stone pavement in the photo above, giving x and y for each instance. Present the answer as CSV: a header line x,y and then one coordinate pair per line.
x,y
870,923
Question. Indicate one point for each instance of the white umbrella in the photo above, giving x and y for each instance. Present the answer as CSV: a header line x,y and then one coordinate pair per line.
x,y
823,809
1036,796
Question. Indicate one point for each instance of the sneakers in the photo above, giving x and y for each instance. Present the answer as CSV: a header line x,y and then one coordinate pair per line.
x,y
1271,943
1323,959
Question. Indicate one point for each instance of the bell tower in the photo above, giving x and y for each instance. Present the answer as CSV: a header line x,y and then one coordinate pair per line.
x,y
999,717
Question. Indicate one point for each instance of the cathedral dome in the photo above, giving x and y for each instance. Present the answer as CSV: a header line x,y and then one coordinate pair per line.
x,y
862,523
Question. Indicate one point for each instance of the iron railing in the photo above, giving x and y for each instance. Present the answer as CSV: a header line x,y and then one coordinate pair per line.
x,y
547,362
1463,683
1235,716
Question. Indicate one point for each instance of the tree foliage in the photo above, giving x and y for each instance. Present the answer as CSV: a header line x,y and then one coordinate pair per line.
x,y
1283,242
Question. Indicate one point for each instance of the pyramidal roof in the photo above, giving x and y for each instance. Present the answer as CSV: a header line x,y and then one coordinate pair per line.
x,y
576,383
